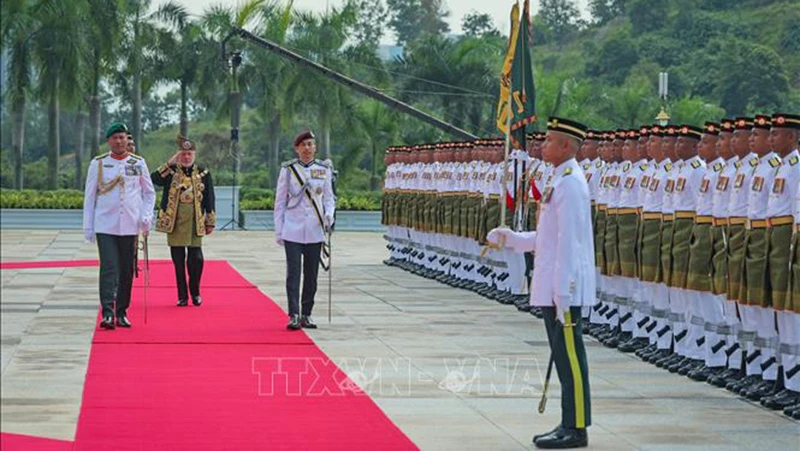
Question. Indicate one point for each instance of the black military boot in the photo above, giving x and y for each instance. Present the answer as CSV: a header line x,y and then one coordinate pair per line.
x,y
564,438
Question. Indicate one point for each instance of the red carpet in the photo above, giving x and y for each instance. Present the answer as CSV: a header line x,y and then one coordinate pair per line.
x,y
11,442
226,375
33,264
206,378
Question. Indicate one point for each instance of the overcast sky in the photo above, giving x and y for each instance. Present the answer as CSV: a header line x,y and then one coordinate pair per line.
x,y
498,9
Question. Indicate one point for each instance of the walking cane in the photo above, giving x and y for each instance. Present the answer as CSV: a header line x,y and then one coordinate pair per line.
x,y
330,270
543,401
146,275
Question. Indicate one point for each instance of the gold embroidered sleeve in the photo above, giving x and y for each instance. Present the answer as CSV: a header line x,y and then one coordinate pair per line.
x,y
211,219
164,170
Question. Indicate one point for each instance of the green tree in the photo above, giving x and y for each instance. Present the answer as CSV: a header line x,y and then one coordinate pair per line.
x,y
17,25
325,36
603,11
103,29
560,16
614,59
378,128
412,18
647,15
479,25
751,77
57,50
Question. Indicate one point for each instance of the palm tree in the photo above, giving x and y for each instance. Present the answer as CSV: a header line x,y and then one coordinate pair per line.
x,y
57,50
324,36
272,82
103,25
465,73
378,128
18,26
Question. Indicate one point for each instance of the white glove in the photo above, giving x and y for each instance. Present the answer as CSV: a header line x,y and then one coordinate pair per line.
x,y
329,221
89,236
279,241
145,227
498,236
562,306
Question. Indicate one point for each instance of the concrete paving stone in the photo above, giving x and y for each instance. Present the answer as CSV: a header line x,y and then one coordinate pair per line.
x,y
393,332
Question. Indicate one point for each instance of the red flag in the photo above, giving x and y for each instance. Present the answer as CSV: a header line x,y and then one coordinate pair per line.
x,y
509,201
535,191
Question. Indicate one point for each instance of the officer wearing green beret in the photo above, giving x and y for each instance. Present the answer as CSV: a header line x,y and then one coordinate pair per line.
x,y
117,205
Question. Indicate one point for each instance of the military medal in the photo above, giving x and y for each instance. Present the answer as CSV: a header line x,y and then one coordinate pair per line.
x,y
722,183
777,188
629,182
654,184
546,195
758,183
670,186
739,181
681,184
704,185
645,182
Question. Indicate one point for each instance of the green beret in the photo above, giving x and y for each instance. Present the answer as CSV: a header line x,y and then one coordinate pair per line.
x,y
116,127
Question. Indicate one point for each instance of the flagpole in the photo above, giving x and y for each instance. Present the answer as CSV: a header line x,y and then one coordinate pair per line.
x,y
505,161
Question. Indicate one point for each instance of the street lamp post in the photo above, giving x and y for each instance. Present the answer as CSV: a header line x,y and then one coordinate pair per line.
x,y
663,93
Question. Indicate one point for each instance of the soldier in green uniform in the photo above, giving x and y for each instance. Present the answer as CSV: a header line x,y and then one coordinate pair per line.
x,y
187,213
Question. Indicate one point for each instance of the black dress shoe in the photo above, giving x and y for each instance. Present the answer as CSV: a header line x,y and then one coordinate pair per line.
x,y
691,366
294,323
122,321
307,323
107,323
703,373
789,409
564,438
183,302
781,400
766,390
727,376
197,301
633,345
658,355
553,431
735,385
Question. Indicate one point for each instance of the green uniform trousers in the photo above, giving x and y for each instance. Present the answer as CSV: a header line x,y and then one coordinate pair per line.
x,y
755,289
627,231
650,256
681,242
719,260
780,238
701,252
569,356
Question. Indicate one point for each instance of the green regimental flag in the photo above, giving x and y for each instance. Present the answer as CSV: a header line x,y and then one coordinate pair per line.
x,y
523,96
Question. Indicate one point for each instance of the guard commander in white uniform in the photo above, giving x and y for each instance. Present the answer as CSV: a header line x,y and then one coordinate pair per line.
x,y
117,205
304,207
563,276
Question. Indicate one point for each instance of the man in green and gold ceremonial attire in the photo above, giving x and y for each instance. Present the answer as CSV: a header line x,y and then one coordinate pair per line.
x,y
186,214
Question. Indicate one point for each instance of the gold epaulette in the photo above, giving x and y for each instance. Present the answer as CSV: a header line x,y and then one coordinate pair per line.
x,y
696,164
774,162
754,161
718,167
794,160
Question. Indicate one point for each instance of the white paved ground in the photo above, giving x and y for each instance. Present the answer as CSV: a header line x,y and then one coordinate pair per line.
x,y
452,369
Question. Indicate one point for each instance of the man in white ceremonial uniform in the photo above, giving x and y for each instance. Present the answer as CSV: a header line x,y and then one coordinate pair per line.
x,y
563,277
592,166
721,199
118,204
737,218
780,222
304,208
653,293
707,313
628,208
